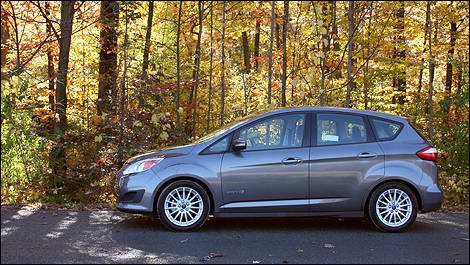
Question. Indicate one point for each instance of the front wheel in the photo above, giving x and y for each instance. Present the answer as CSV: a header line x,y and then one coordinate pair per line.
x,y
393,207
183,206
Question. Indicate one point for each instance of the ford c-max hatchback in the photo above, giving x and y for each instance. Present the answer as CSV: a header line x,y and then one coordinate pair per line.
x,y
289,162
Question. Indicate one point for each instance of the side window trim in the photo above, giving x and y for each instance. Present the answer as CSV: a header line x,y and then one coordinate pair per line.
x,y
370,137
401,125
305,142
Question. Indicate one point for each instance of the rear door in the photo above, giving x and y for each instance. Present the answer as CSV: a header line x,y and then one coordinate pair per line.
x,y
345,160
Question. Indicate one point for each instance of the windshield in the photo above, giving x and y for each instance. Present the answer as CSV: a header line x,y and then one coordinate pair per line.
x,y
228,126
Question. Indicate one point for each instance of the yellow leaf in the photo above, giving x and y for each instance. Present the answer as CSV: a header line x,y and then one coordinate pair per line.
x,y
99,138
155,118
164,136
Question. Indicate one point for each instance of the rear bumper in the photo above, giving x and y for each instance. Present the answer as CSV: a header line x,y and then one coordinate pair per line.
x,y
431,199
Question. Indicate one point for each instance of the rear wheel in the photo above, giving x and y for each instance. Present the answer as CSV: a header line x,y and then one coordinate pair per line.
x,y
183,206
393,207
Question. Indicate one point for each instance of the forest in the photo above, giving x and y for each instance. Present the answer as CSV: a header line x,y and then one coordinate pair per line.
x,y
85,85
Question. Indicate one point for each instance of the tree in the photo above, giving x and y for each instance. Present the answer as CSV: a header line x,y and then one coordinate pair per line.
x,y
270,71
58,162
350,50
222,104
198,62
145,63
178,77
256,44
210,74
399,54
107,87
284,58
50,59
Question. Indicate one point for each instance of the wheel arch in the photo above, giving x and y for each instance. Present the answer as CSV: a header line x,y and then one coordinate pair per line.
x,y
408,184
164,184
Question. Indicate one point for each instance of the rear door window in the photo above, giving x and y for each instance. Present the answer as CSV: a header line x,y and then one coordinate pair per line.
x,y
335,128
385,130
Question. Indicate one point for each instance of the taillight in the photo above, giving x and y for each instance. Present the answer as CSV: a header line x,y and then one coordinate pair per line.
x,y
429,153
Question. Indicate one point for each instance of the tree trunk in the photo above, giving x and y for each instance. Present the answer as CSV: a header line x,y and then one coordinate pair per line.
x,y
58,162
145,63
210,78
222,99
178,65
270,71
198,57
399,83
450,56
420,79
246,52
350,51
336,46
431,77
107,86
256,45
284,58
5,35
123,91
50,60
366,70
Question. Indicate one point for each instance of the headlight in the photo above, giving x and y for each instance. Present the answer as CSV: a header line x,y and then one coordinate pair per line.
x,y
142,165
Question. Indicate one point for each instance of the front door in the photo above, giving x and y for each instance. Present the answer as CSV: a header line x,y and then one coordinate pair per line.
x,y
271,174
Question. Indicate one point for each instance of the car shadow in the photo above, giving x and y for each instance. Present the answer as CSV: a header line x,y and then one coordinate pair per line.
x,y
286,224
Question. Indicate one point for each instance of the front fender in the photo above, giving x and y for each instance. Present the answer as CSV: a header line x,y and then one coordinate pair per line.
x,y
209,176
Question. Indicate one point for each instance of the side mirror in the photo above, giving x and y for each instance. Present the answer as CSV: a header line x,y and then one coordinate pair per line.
x,y
239,144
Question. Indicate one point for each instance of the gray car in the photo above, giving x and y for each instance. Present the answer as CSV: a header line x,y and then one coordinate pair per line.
x,y
289,162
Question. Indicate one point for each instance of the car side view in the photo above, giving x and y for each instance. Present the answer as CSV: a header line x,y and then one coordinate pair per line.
x,y
310,161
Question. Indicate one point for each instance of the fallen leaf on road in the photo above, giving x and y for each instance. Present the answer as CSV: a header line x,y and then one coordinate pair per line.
x,y
328,246
300,250
55,214
216,255
333,251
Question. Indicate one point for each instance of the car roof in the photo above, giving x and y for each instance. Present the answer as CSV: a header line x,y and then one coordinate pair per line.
x,y
335,109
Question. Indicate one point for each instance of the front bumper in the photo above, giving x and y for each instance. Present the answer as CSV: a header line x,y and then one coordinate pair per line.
x,y
136,192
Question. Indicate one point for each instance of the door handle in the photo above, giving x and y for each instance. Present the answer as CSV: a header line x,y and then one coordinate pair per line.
x,y
367,155
291,161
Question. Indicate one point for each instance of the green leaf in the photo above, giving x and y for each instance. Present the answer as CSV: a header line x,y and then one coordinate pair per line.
x,y
155,118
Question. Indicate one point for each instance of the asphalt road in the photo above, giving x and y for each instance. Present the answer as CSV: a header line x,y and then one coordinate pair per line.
x,y
66,236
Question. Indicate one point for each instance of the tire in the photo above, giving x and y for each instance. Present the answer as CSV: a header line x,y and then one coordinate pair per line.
x,y
183,206
393,207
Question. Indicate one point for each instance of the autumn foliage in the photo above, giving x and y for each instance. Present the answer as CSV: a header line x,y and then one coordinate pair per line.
x,y
385,56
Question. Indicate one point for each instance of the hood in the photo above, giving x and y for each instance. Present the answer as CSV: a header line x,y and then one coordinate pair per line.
x,y
171,151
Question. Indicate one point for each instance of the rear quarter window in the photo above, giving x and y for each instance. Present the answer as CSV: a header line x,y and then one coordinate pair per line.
x,y
386,129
